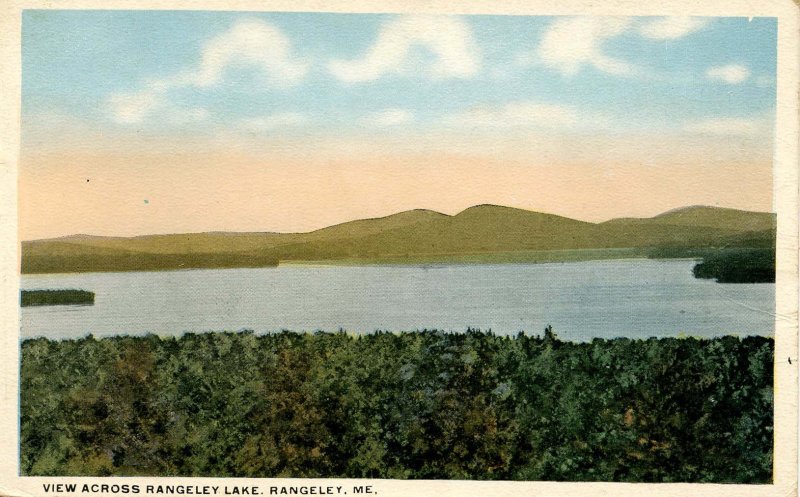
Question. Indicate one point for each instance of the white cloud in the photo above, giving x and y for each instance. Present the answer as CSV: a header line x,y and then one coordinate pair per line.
x,y
387,118
448,38
525,115
248,43
133,108
273,121
572,43
668,28
254,43
728,126
731,74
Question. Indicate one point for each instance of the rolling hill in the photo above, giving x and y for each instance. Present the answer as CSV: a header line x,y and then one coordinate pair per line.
x,y
479,233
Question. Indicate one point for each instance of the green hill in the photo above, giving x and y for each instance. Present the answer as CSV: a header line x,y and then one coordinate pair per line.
x,y
712,217
479,233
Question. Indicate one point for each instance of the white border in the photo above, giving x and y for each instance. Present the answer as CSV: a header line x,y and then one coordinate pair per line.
x,y
785,194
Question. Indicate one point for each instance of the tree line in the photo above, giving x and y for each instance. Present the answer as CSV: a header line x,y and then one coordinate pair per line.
x,y
424,404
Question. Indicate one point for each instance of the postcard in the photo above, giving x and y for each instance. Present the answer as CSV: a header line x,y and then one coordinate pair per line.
x,y
399,248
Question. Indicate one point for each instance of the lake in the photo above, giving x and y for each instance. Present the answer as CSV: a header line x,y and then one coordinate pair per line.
x,y
635,298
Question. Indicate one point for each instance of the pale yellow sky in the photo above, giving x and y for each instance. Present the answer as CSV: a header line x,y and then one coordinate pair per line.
x,y
230,185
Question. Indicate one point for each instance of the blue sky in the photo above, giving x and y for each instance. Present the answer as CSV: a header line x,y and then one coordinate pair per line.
x,y
135,71
140,122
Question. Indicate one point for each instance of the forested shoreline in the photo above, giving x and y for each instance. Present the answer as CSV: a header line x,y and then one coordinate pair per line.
x,y
410,405
738,266
479,234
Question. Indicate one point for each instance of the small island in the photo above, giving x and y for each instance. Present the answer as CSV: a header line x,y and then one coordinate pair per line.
x,y
56,297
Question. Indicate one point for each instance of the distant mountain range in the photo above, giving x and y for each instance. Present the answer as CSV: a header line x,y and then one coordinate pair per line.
x,y
483,233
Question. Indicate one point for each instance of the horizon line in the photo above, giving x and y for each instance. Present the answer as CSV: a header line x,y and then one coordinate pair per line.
x,y
483,205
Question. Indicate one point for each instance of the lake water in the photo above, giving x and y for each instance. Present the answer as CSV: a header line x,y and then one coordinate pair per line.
x,y
635,298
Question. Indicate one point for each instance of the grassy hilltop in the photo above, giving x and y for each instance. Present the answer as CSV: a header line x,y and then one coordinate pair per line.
x,y
483,233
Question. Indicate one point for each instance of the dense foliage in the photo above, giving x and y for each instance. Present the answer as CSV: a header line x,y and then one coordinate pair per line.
x,y
55,297
738,266
408,405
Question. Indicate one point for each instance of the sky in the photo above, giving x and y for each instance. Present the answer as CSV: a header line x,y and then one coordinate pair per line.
x,y
137,122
